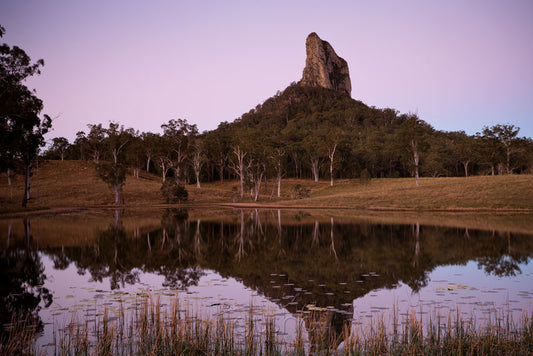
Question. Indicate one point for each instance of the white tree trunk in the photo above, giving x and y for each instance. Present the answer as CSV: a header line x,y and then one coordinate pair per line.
x,y
197,166
416,158
257,184
331,154
238,167
278,182
465,165
148,159
315,168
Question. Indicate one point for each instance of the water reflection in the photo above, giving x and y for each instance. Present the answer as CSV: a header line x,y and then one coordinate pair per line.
x,y
298,260
21,279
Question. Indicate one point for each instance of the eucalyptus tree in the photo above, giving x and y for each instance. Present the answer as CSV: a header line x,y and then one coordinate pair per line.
x,y
179,134
21,129
218,147
239,166
412,138
114,172
81,143
505,136
313,151
256,170
59,147
135,152
277,156
464,149
95,141
198,159
333,138
149,145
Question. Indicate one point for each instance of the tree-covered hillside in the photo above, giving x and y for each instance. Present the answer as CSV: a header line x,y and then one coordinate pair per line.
x,y
306,132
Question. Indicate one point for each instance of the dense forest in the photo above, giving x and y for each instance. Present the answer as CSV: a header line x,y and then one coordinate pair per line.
x,y
302,132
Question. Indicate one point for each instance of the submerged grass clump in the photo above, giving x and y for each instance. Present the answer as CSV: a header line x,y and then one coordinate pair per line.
x,y
151,329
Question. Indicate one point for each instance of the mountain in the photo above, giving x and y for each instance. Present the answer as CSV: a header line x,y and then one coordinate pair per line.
x,y
314,128
324,68
313,115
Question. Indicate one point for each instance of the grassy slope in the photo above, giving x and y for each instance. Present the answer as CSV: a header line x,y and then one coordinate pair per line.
x,y
480,192
74,184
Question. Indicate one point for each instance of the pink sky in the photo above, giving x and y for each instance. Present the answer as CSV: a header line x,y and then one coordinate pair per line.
x,y
461,65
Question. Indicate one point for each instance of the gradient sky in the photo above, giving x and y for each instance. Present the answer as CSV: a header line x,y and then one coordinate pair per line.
x,y
460,65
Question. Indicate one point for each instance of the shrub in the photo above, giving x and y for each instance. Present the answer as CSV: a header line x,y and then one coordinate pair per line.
x,y
365,177
173,193
299,192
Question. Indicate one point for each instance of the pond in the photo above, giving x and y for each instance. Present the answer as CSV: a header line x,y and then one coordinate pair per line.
x,y
281,263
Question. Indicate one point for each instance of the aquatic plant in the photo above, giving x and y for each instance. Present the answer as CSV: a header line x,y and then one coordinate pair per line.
x,y
154,329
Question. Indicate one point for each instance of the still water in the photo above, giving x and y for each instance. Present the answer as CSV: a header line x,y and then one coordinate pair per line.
x,y
273,262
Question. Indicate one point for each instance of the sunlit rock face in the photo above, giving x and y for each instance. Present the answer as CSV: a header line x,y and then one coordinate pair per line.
x,y
324,68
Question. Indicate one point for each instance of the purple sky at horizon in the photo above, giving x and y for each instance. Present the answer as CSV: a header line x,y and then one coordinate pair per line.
x,y
461,65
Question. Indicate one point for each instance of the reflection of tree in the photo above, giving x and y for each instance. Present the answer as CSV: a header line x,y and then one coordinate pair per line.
x,y
332,246
316,234
418,278
239,240
108,260
21,281
61,261
181,278
503,265
170,251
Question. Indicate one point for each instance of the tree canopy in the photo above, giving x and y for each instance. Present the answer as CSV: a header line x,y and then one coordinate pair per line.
x,y
21,129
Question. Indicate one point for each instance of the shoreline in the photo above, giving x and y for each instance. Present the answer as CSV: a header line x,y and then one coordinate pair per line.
x,y
519,221
74,209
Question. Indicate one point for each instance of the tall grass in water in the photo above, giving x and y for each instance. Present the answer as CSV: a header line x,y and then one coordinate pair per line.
x,y
151,329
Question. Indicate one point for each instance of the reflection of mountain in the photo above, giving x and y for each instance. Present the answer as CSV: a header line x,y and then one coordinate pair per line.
x,y
322,262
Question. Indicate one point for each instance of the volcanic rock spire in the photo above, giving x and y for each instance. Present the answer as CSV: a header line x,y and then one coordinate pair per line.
x,y
324,68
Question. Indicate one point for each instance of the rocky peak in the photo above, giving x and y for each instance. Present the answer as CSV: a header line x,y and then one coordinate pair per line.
x,y
323,67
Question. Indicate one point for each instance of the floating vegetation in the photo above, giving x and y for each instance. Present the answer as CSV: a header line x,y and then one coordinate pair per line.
x,y
454,286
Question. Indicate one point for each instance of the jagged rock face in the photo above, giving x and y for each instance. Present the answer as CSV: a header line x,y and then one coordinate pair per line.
x,y
324,68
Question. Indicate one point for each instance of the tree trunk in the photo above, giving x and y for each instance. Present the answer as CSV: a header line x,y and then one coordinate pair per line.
x,y
148,159
315,168
10,183
116,188
414,146
331,154
507,166
221,173
465,164
197,174
239,167
177,173
27,174
257,185
278,182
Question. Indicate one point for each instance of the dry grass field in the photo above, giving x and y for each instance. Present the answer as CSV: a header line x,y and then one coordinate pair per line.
x,y
73,184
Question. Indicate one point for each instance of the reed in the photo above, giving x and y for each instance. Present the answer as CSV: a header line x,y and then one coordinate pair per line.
x,y
152,329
